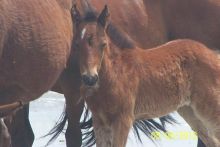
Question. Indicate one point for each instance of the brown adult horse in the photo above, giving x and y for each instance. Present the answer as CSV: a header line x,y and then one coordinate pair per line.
x,y
160,21
196,19
35,42
181,75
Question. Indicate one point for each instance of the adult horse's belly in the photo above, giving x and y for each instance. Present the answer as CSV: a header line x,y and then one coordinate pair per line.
x,y
36,50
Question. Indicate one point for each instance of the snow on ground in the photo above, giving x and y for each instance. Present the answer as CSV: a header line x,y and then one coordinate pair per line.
x,y
45,112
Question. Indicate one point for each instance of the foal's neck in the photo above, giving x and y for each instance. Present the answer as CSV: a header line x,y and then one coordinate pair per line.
x,y
116,58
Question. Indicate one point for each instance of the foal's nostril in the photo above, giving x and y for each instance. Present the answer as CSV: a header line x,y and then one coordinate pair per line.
x,y
89,80
96,78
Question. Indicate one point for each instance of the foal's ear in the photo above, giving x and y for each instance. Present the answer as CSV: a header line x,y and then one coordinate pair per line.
x,y
76,16
104,17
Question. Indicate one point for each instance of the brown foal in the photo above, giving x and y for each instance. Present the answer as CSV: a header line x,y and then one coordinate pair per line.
x,y
121,86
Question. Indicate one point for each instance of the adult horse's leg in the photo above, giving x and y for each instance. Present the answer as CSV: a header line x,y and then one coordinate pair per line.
x,y
5,139
20,129
70,85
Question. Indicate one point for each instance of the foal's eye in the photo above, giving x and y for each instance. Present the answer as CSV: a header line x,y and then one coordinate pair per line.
x,y
89,39
103,45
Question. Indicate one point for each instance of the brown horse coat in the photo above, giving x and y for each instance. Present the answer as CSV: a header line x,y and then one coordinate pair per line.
x,y
195,19
152,30
135,84
35,45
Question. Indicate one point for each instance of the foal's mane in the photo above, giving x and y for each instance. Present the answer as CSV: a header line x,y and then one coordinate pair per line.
x,y
117,37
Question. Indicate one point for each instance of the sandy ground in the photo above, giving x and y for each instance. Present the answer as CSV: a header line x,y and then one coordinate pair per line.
x,y
45,112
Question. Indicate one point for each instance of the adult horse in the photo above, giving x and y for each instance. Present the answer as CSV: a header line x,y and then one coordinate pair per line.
x,y
161,21
181,75
195,19
35,43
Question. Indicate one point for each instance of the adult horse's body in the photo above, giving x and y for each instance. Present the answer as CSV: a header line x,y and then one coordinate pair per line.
x,y
35,43
181,75
161,21
195,19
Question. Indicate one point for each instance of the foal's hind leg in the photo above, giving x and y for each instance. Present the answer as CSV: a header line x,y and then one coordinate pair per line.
x,y
206,107
187,113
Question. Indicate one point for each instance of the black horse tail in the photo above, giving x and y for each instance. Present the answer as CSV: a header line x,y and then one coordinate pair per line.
x,y
88,135
151,125
145,126
86,126
58,128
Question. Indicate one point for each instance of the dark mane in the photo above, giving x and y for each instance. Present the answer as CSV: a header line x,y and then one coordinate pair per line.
x,y
90,16
119,38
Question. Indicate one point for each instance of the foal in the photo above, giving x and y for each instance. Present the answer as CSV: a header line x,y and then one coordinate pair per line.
x,y
121,86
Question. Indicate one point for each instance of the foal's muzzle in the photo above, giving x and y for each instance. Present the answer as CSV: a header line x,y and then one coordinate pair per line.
x,y
89,80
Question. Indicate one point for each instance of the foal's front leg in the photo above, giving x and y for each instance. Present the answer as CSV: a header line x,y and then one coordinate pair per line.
x,y
112,133
121,128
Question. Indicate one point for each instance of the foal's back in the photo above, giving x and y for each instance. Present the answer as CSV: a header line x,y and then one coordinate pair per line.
x,y
174,74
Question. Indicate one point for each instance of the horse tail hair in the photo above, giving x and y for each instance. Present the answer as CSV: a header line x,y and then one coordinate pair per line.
x,y
149,126
88,135
145,126
58,128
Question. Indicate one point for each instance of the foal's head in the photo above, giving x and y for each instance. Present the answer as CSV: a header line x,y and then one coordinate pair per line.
x,y
91,40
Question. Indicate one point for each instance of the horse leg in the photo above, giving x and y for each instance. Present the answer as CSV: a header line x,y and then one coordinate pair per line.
x,y
200,143
188,114
112,133
5,139
121,130
20,129
70,85
103,133
206,108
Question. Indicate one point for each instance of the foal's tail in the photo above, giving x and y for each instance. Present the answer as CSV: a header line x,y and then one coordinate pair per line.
x,y
88,135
